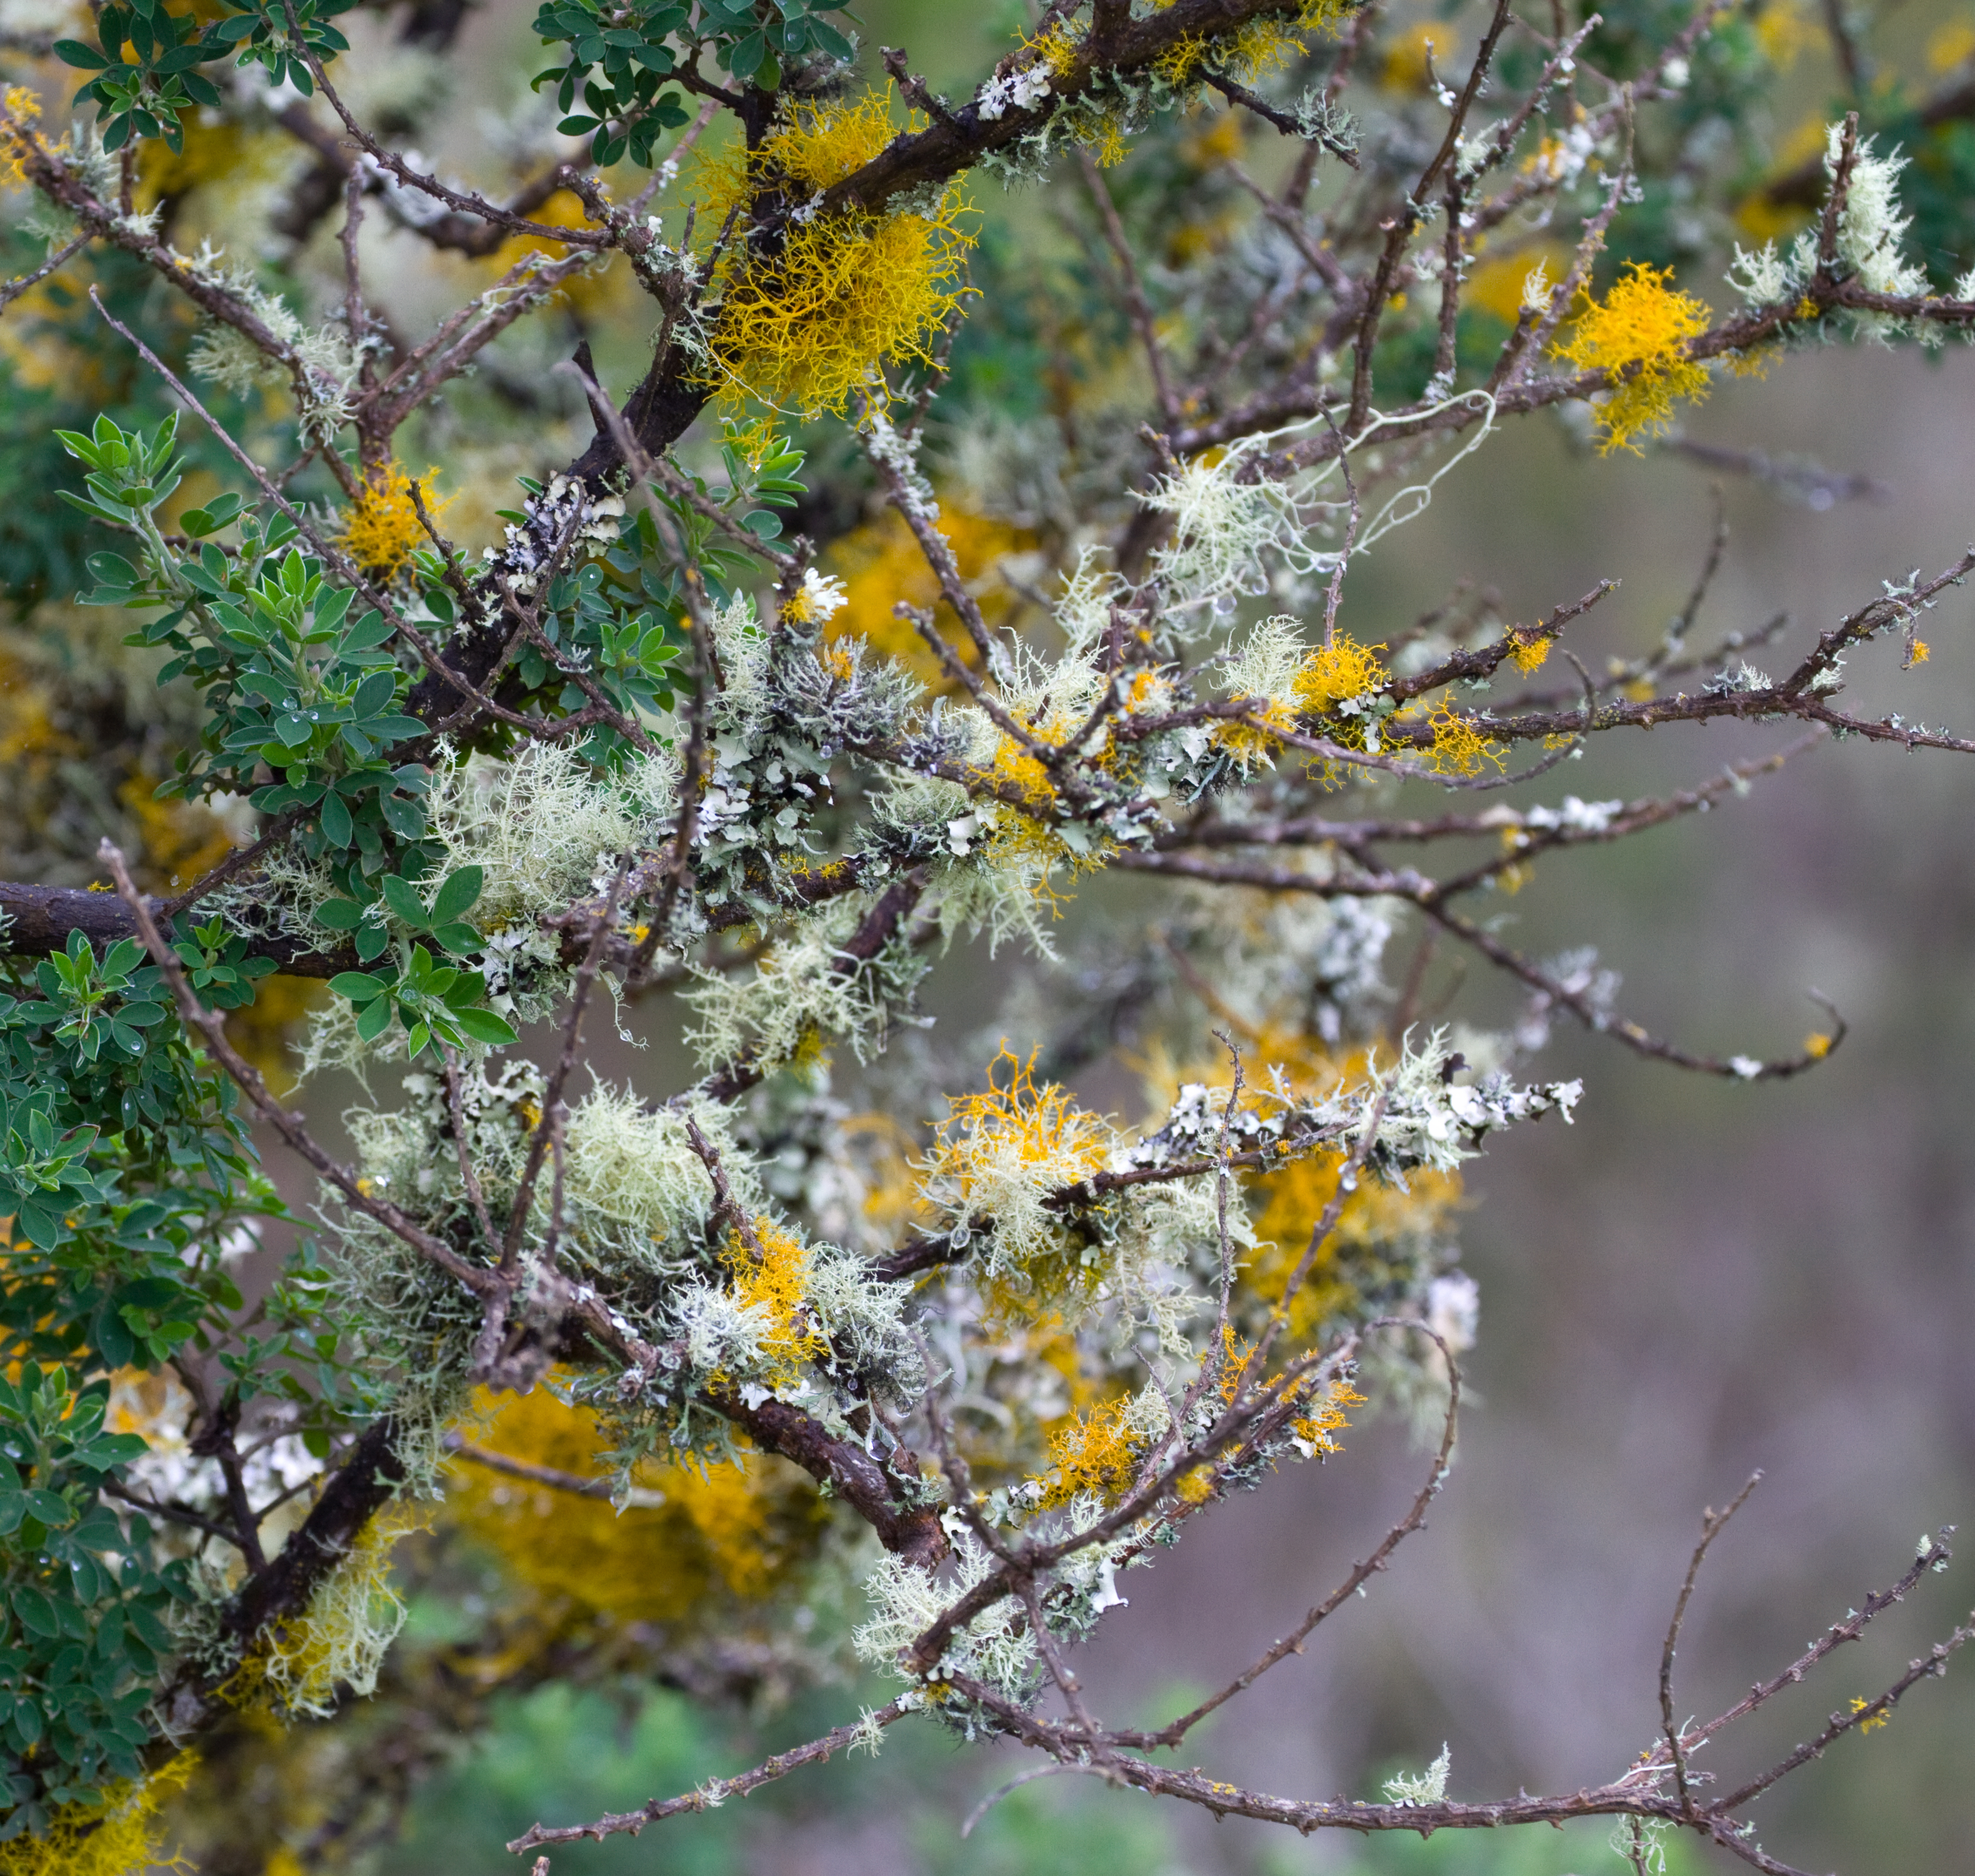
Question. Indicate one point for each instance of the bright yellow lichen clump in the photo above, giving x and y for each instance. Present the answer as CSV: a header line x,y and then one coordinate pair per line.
x,y
881,567
1040,1128
115,1837
1001,1154
805,324
1317,1428
382,530
1095,1452
1642,323
1333,673
1336,672
1294,1199
775,1282
22,107
694,1532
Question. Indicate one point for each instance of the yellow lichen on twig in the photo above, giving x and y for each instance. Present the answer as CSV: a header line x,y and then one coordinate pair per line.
x,y
118,1837
382,530
776,1283
812,317
1642,326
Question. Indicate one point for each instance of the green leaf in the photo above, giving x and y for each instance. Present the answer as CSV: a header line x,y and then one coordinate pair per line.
x,y
51,1508
358,985
73,52
461,890
369,632
402,897
337,828
374,1020
151,1631
484,1025
37,1614
339,915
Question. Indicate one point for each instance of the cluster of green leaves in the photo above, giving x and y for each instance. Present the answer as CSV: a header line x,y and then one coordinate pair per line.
x,y
624,106
122,1162
290,678
619,55
435,1002
756,40
216,964
148,93
84,1629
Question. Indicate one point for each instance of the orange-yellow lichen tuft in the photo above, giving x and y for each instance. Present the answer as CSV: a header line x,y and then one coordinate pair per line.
x,y
590,290
1317,1429
1407,58
1097,1453
382,530
775,1281
1373,1215
881,565
698,1533
1252,743
1878,1719
1014,1125
1458,748
117,1835
1527,650
1057,48
21,108
804,326
1336,673
1642,327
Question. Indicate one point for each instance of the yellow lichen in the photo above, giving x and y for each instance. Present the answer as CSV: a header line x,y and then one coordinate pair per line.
x,y
806,324
1373,1215
1527,650
181,840
1951,45
592,290
1407,58
1784,29
1336,673
351,1619
1458,748
1641,327
999,1154
1252,743
209,152
382,529
1878,1719
22,107
881,567
1057,48
118,1837
1500,285
775,1280
266,1030
695,1533
1317,1429
1095,1452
